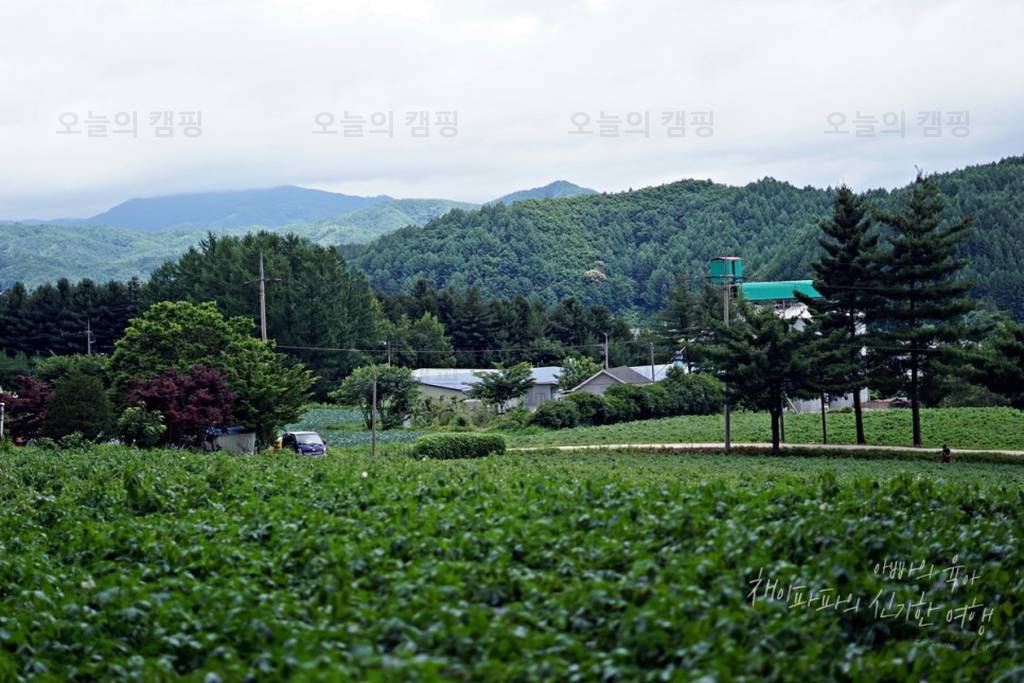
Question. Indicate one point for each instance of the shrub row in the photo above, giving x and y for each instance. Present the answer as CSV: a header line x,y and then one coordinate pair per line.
x,y
453,445
679,394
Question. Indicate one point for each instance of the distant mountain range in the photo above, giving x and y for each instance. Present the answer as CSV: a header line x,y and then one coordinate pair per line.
x,y
270,208
280,206
134,237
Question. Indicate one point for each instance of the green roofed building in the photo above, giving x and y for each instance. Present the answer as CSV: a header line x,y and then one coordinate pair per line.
x,y
782,290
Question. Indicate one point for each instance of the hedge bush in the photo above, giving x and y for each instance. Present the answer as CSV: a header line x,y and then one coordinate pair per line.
x,y
592,409
694,394
452,446
678,394
557,414
633,400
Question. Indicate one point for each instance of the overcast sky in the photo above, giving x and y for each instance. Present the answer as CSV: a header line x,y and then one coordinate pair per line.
x,y
516,73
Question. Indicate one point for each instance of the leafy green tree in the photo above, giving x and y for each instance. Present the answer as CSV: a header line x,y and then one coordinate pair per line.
x,y
576,369
396,393
427,336
846,277
923,296
760,357
270,390
79,404
418,344
499,388
173,334
141,427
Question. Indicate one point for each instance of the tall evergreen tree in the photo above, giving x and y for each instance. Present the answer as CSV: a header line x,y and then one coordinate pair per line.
x,y
923,297
678,324
845,276
761,358
998,363
473,328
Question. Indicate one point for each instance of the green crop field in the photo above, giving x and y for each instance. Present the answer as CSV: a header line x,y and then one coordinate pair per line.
x,y
992,428
119,564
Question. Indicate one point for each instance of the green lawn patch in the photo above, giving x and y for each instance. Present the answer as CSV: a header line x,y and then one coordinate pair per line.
x,y
982,428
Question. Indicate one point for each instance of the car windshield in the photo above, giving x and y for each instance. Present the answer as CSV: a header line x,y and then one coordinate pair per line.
x,y
309,439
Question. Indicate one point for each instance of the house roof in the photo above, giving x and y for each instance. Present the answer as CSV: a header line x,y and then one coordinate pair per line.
x,y
461,379
778,291
627,375
660,371
622,374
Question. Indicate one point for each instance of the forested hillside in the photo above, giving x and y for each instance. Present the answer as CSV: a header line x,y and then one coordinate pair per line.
x,y
365,225
623,250
35,254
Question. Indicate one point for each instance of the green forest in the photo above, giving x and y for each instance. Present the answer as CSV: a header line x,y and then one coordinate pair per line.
x,y
624,250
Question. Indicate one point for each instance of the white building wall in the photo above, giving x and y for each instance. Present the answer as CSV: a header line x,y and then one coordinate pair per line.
x,y
814,405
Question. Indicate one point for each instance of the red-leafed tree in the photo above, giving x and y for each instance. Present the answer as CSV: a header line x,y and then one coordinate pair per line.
x,y
25,407
190,402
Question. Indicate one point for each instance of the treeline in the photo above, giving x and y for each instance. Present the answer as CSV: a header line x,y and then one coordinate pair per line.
x,y
481,332
320,311
57,318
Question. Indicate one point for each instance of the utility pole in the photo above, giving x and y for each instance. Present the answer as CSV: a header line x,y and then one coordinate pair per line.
x,y
263,302
726,271
824,421
728,421
387,343
605,350
782,424
3,407
88,337
373,418
652,361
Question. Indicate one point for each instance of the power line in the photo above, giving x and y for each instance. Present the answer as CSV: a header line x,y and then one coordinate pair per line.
x,y
352,349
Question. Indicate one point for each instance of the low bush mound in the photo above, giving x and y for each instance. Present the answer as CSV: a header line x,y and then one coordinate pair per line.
x,y
592,409
457,445
557,414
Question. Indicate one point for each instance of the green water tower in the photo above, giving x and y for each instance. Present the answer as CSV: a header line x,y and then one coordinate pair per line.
x,y
725,270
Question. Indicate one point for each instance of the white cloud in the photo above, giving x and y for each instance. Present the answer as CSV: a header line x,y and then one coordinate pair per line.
x,y
515,71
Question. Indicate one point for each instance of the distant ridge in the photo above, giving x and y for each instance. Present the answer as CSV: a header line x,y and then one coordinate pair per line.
x,y
555,190
272,208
